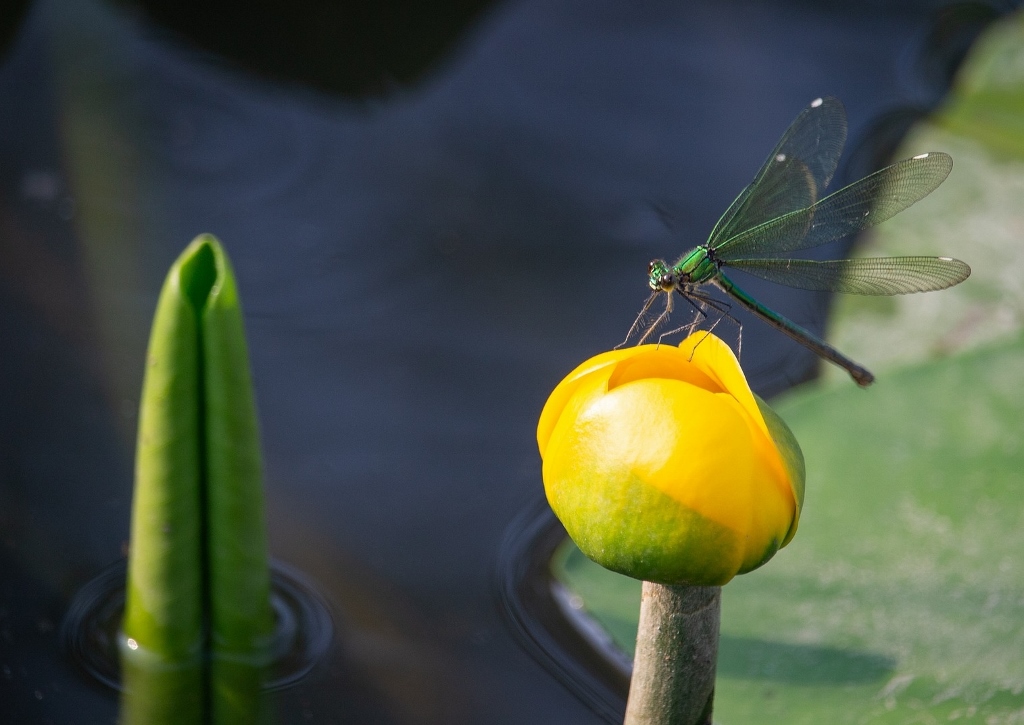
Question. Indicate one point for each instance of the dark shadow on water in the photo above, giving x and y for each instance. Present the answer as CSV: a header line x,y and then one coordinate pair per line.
x,y
803,664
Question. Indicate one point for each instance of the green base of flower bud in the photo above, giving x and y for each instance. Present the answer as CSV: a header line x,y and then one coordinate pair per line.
x,y
633,529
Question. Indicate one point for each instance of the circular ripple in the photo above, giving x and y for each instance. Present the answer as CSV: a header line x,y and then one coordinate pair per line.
x,y
302,626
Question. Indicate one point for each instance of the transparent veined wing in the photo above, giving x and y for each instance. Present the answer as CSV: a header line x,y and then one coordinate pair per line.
x,y
865,276
795,174
862,204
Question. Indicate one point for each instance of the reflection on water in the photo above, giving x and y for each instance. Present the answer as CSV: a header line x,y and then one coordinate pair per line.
x,y
303,629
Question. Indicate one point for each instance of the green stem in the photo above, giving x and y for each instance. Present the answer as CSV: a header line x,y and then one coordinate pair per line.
x,y
676,653
241,622
197,623
162,661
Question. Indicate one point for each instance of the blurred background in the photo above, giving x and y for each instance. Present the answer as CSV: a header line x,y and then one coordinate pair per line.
x,y
435,211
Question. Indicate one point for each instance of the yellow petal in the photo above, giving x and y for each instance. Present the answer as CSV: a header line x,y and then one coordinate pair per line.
x,y
713,357
661,361
565,390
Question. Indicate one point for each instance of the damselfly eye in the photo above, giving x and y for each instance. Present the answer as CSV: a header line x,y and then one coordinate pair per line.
x,y
666,281
650,266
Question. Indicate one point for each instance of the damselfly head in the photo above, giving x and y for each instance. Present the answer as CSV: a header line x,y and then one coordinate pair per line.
x,y
660,277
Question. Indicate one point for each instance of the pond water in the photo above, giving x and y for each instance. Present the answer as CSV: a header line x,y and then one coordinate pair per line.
x,y
417,272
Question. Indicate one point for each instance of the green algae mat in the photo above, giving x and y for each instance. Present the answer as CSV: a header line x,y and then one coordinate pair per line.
x,y
901,599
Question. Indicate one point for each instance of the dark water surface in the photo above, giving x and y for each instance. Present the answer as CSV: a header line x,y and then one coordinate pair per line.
x,y
417,272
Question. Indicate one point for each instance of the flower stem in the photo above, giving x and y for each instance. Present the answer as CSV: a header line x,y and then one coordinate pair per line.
x,y
676,653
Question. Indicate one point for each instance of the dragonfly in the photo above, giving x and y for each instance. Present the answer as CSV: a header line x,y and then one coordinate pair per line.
x,y
783,210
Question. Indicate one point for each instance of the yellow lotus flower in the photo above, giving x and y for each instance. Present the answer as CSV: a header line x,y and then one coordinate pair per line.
x,y
664,466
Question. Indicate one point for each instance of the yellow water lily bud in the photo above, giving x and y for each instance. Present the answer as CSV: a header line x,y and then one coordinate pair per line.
x,y
664,466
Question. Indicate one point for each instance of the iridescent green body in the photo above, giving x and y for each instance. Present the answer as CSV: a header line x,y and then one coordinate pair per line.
x,y
695,267
783,210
